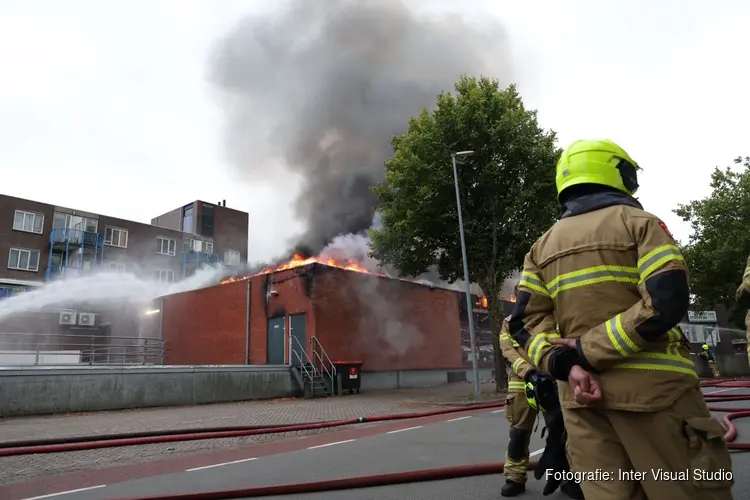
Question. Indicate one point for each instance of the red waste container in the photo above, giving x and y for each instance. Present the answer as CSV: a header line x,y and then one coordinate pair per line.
x,y
350,375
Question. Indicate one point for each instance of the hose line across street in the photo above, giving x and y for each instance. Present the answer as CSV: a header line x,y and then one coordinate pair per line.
x,y
117,440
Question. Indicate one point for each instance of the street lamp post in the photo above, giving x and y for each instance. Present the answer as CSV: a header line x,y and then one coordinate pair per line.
x,y
469,308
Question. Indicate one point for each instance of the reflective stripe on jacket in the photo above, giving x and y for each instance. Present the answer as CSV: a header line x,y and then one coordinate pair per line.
x,y
612,277
519,364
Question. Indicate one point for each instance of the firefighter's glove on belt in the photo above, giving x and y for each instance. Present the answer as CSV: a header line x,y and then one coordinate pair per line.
x,y
541,391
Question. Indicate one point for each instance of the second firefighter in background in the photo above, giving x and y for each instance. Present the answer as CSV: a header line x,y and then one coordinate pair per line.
x,y
743,299
521,417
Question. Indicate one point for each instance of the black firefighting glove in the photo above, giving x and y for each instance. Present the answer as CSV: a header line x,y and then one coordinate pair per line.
x,y
541,391
554,459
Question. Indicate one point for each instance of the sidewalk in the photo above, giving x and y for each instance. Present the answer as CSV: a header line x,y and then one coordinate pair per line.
x,y
284,411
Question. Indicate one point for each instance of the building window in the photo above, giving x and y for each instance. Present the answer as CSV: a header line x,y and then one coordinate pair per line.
x,y
23,260
187,219
115,266
29,222
232,258
68,221
199,246
164,275
115,237
166,246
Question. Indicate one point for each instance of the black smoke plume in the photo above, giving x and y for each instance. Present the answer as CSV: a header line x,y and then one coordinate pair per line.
x,y
319,88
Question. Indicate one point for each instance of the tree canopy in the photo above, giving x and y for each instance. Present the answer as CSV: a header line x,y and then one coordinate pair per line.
x,y
720,243
507,188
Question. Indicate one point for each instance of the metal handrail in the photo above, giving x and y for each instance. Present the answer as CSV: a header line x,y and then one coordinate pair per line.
x,y
303,362
332,373
90,349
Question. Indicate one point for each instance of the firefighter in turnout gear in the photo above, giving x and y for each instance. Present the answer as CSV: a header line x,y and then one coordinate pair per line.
x,y
521,417
710,358
609,277
743,299
519,414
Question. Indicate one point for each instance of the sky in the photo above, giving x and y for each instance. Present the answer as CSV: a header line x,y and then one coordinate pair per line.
x,y
107,106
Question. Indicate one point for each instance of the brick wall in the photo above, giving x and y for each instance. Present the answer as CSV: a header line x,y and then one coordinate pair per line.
x,y
205,327
387,324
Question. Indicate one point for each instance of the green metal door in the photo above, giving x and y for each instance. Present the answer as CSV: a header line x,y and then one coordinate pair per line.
x,y
275,341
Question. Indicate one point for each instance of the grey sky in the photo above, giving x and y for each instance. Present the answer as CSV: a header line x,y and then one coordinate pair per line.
x,y
104,106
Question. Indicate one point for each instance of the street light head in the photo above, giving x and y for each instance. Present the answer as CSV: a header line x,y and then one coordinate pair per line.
x,y
464,153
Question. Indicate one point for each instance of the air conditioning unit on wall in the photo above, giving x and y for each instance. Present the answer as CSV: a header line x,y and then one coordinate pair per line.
x,y
86,319
67,318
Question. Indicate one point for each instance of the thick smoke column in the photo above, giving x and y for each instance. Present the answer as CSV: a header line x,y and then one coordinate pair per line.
x,y
319,90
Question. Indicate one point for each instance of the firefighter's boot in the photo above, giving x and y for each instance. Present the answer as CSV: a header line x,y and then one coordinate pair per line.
x,y
512,488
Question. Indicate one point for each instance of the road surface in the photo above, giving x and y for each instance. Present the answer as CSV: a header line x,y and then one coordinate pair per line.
x,y
458,439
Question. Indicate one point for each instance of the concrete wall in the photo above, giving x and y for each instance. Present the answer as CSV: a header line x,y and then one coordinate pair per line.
x,y
404,379
39,391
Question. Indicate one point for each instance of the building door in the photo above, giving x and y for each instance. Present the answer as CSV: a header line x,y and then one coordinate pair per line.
x,y
275,341
297,330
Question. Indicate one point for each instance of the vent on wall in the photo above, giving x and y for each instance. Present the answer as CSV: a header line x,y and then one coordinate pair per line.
x,y
67,318
86,319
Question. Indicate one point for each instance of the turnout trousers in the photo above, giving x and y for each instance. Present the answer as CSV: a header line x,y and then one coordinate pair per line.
x,y
678,452
714,369
521,418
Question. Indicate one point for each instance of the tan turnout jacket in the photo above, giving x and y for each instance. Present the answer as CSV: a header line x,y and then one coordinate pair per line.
x,y
586,275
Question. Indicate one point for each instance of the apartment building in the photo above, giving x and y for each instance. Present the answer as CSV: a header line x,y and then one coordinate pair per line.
x,y
40,242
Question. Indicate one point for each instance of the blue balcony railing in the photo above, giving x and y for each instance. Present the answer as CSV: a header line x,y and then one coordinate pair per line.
x,y
57,271
11,290
75,237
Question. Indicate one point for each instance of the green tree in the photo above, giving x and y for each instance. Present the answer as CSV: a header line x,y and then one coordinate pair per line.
x,y
720,243
507,191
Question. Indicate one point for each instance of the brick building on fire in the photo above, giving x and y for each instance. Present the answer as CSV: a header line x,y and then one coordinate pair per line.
x,y
395,327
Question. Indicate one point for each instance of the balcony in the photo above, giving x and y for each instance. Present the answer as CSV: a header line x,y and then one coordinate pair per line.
x,y
75,237
57,271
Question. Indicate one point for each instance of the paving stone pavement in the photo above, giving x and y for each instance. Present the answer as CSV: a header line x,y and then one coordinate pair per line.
x,y
283,411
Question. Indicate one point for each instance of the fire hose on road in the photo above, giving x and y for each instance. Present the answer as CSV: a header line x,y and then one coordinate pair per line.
x,y
109,441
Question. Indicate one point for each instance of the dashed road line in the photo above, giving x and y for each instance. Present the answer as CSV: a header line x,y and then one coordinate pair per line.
x,y
66,492
402,430
724,390
535,453
221,464
459,418
329,444
499,411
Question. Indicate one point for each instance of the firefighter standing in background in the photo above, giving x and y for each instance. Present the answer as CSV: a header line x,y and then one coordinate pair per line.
x,y
609,276
710,358
743,299
521,417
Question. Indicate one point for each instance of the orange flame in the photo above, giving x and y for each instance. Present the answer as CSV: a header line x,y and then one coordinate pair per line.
x,y
482,302
299,261
511,298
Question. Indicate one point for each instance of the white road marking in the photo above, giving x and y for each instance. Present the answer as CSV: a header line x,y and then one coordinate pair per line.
x,y
66,492
402,430
499,411
219,465
725,390
537,452
457,419
330,444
